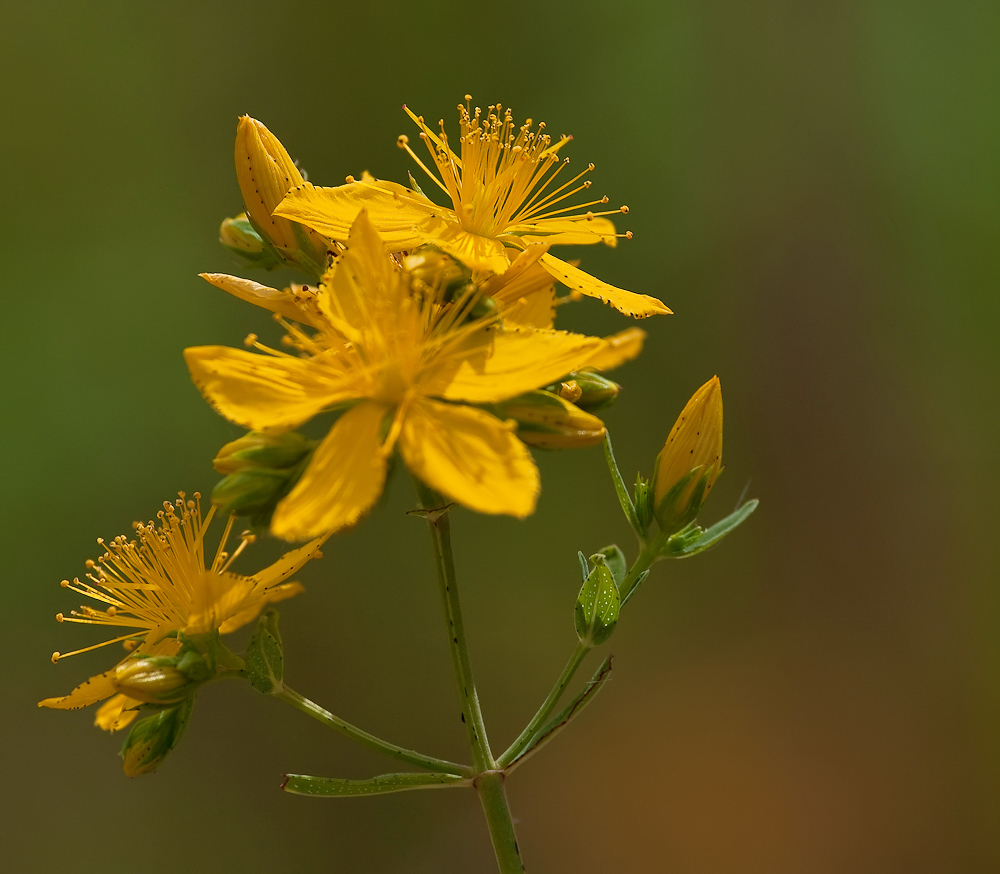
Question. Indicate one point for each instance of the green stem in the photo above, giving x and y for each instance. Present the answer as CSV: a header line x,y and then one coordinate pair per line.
x,y
489,779
362,737
649,553
525,738
493,797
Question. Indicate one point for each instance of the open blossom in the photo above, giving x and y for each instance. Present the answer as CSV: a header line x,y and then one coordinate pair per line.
x,y
405,366
508,191
157,585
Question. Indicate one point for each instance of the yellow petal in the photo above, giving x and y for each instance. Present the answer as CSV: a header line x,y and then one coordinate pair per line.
x,y
362,284
256,605
97,688
526,299
116,712
394,210
473,250
265,392
343,479
292,303
636,305
290,563
568,232
522,360
618,348
469,456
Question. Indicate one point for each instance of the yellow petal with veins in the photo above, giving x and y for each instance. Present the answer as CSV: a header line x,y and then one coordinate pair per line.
x,y
394,210
299,307
264,392
522,360
628,302
469,456
619,348
343,479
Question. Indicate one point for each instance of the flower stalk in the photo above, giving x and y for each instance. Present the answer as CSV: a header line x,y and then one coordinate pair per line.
x,y
489,777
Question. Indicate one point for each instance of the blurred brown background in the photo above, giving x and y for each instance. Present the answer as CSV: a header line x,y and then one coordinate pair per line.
x,y
814,191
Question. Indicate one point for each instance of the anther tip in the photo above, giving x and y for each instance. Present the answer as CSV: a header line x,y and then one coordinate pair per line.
x,y
402,140
55,657
628,235
65,584
624,209
60,617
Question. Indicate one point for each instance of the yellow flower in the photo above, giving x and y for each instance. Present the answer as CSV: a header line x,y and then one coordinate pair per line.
x,y
158,584
266,173
692,456
406,366
506,194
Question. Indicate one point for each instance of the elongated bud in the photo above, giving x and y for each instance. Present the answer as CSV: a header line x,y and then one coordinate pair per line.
x,y
238,235
161,679
690,461
152,738
597,605
587,389
266,173
548,421
262,469
256,450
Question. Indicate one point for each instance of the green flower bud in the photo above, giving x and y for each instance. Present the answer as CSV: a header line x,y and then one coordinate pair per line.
x,y
587,389
238,235
249,491
262,469
548,421
256,450
597,605
431,267
152,738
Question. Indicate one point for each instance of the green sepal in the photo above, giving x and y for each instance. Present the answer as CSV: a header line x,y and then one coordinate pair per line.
x,y
150,739
597,605
639,580
616,562
694,539
415,185
596,390
680,506
265,660
584,567
643,498
384,784
240,237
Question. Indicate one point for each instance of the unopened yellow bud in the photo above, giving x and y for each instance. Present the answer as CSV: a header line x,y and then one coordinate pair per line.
x,y
152,738
691,459
160,679
548,421
266,173
144,680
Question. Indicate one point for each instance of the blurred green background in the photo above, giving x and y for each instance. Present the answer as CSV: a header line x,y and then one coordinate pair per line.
x,y
814,191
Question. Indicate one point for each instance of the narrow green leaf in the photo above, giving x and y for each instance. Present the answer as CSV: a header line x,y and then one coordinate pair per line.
x,y
264,657
621,489
561,719
384,784
685,547
584,567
